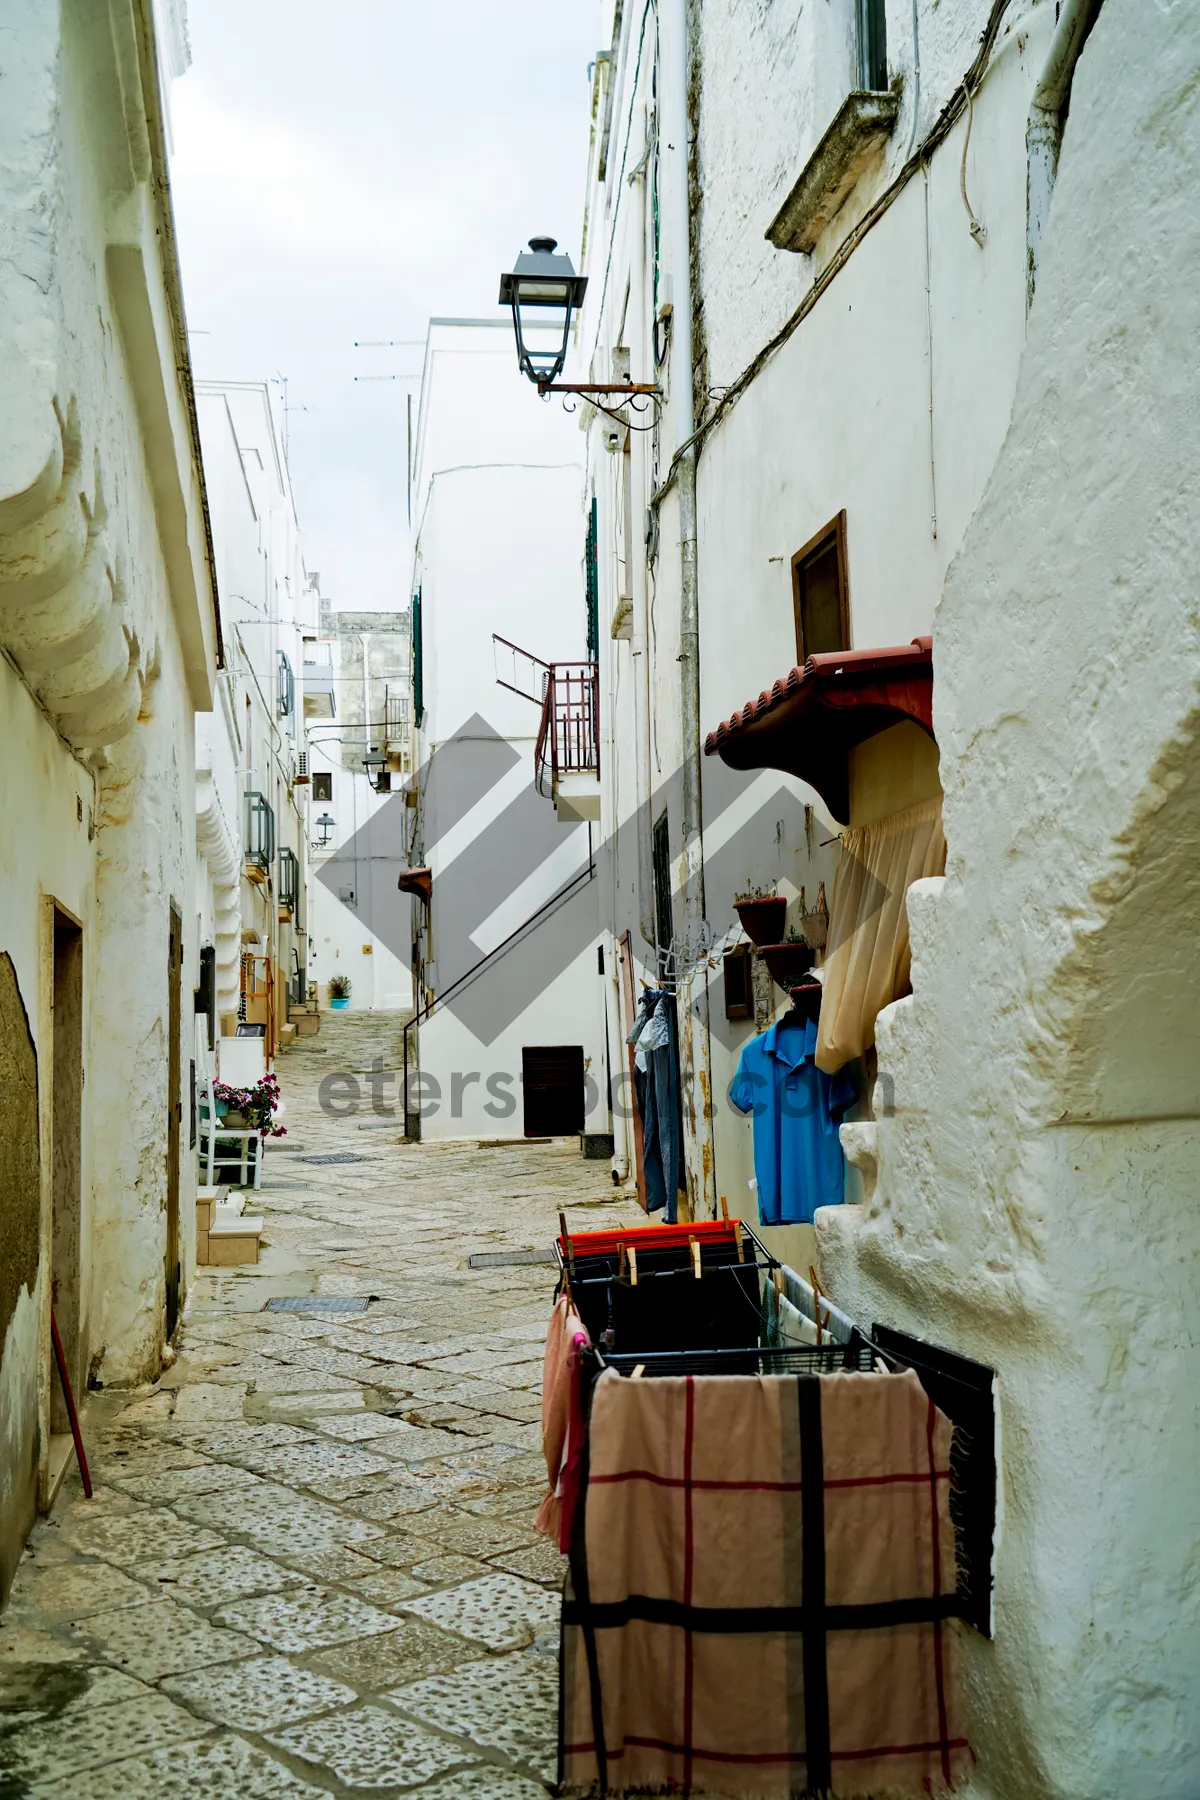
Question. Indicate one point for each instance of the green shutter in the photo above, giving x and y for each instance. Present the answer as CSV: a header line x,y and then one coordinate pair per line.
x,y
592,575
418,670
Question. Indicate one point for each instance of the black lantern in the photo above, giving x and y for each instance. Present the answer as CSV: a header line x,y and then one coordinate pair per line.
x,y
326,824
378,773
542,291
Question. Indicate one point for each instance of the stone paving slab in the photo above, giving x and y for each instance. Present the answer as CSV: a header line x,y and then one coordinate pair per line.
x,y
83,1737
219,1767
260,1694
305,1619
372,1750
501,1611
161,1638
509,1705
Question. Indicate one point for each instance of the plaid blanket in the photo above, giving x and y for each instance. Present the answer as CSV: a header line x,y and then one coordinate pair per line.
x,y
761,1571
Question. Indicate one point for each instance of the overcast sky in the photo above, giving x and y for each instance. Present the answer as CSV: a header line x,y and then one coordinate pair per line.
x,y
343,172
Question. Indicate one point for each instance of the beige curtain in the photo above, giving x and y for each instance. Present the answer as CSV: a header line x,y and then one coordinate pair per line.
x,y
867,966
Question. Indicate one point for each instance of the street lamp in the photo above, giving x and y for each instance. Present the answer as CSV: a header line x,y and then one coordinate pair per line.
x,y
326,823
542,283
376,765
545,283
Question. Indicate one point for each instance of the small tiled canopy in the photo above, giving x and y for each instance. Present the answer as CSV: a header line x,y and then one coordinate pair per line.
x,y
808,722
416,881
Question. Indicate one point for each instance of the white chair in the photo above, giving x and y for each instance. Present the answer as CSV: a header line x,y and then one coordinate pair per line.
x,y
221,1146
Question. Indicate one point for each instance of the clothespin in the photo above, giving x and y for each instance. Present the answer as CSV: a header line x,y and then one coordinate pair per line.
x,y
621,1263
568,1247
777,1282
737,1232
695,1258
632,1266
724,1209
639,1370
819,1294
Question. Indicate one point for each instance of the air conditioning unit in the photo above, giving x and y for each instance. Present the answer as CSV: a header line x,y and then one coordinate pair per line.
x,y
301,777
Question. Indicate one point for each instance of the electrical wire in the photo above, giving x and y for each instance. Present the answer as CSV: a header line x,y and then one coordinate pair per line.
x,y
938,133
978,231
612,236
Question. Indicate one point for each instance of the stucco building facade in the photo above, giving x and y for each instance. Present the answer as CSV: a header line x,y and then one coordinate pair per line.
x,y
110,642
911,281
251,788
505,928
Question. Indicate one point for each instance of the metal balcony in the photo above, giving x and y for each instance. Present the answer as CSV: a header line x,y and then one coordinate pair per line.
x,y
259,836
289,882
567,755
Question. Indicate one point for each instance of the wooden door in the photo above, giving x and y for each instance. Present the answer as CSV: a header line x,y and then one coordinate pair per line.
x,y
174,1113
627,995
552,1085
66,1121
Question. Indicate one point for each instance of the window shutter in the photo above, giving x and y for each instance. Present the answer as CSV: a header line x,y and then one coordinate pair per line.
x,y
418,667
592,576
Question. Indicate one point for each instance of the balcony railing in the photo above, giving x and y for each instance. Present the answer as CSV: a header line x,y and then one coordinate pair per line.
x,y
289,880
395,718
568,741
260,836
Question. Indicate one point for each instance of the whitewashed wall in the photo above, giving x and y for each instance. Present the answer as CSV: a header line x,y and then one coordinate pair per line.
x,y
107,621
499,549
1035,1204
268,607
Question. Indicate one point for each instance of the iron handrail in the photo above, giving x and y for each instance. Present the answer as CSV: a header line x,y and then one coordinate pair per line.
x,y
423,1012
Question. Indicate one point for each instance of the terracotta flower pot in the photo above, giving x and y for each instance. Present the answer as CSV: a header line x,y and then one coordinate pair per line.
x,y
787,964
762,920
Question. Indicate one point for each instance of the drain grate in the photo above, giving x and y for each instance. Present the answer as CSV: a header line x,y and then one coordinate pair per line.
x,y
322,1303
511,1259
336,1156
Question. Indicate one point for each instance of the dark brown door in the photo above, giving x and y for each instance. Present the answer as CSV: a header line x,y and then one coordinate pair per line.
x,y
174,1114
627,996
66,1110
552,1079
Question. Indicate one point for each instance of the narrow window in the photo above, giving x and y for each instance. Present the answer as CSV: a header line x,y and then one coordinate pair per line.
x,y
664,918
592,584
322,786
418,662
872,47
821,592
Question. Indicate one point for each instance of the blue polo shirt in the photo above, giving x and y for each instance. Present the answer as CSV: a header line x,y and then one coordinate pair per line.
x,y
797,1109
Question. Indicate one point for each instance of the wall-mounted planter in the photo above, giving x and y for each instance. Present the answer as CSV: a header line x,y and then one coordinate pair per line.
x,y
787,964
762,920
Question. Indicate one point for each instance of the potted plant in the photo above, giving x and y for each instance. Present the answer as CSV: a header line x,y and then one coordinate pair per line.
x,y
339,992
762,913
788,963
251,1108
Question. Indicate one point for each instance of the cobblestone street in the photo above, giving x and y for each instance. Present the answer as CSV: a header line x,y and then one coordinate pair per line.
x,y
310,1563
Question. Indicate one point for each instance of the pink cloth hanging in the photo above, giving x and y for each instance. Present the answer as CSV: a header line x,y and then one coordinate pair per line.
x,y
562,1421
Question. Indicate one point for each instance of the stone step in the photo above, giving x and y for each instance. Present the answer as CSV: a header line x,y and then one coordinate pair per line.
x,y
61,1450
229,1241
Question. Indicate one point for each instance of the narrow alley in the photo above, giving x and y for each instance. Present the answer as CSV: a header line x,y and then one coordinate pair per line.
x,y
309,1565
